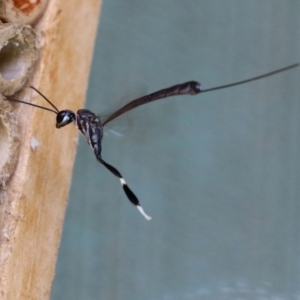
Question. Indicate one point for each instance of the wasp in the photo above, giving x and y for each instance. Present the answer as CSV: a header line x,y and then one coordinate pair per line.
x,y
91,126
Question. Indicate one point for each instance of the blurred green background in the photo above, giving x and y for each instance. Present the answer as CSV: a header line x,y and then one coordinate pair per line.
x,y
219,172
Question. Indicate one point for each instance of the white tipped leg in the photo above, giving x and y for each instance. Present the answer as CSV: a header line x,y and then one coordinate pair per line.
x,y
130,195
148,218
133,199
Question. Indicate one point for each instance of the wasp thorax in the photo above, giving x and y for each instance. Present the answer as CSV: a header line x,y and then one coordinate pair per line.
x,y
64,117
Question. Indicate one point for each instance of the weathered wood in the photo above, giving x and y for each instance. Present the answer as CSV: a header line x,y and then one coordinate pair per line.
x,y
33,207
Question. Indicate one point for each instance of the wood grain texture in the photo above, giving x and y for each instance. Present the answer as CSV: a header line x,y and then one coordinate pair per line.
x,y
33,207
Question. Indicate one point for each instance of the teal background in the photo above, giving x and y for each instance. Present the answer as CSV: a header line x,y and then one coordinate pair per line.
x,y
219,172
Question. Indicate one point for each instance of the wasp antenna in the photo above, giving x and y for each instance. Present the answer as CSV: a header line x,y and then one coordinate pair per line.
x,y
23,102
32,87
251,79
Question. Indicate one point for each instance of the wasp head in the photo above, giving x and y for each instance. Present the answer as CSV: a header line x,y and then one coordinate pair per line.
x,y
64,117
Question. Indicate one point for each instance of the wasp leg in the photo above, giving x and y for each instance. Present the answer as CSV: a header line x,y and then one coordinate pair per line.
x,y
129,193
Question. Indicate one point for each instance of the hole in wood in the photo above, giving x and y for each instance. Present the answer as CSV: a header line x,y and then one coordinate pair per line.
x,y
13,59
4,140
22,11
9,142
18,54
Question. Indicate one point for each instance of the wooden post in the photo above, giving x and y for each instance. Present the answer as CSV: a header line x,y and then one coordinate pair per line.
x,y
32,208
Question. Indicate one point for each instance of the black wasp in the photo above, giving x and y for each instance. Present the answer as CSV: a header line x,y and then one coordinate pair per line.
x,y
91,126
